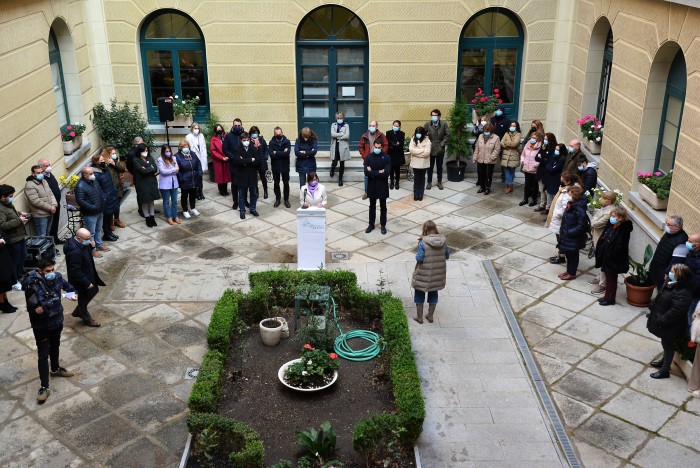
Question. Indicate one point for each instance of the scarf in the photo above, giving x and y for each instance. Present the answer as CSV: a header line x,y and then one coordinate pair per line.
x,y
256,142
312,188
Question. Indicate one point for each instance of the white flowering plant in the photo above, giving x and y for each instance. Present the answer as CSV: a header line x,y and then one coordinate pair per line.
x,y
591,128
184,106
315,368
595,198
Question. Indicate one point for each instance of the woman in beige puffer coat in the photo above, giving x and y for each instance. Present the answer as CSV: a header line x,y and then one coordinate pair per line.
x,y
510,159
486,153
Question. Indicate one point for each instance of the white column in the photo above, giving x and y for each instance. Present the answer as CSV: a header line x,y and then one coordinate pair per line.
x,y
101,68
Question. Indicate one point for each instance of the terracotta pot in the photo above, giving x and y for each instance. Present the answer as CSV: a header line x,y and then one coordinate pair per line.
x,y
650,197
70,147
638,296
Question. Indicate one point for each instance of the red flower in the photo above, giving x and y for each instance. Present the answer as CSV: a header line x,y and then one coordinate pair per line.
x,y
307,346
496,95
69,127
473,101
333,356
496,91
483,99
72,134
692,344
500,101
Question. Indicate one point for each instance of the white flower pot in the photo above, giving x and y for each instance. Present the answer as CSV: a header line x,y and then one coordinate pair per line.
x,y
283,369
181,121
650,197
271,336
593,147
70,147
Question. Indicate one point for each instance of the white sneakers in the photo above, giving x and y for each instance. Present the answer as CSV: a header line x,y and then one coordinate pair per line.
x,y
186,214
194,212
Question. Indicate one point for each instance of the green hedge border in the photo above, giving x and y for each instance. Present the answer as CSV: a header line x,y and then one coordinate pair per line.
x,y
234,310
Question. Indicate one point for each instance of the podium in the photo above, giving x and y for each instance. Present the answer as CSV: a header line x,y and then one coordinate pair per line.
x,y
311,238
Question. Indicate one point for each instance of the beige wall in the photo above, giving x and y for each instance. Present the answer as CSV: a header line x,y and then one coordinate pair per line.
x,y
28,111
647,34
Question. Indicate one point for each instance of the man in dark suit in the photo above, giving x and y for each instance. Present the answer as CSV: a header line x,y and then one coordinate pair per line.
x,y
232,142
56,190
82,273
133,153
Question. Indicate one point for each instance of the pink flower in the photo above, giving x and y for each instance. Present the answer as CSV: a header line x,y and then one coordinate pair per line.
x,y
69,127
496,90
307,346
483,99
640,174
500,101
657,174
648,174
473,101
72,134
333,356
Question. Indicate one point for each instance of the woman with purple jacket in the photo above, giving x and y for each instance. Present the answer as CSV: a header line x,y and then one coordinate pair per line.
x,y
168,185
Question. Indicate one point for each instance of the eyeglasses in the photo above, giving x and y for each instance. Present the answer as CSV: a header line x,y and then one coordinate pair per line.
x,y
671,225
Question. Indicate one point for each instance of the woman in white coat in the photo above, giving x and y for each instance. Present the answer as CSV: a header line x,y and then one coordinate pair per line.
x,y
340,145
419,150
198,146
313,194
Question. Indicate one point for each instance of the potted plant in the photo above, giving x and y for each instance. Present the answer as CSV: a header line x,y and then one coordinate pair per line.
x,y
655,188
591,132
118,125
484,105
595,197
70,183
638,284
72,137
313,371
458,145
184,109
271,330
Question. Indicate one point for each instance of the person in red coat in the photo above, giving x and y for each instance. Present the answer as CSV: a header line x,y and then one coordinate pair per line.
x,y
222,175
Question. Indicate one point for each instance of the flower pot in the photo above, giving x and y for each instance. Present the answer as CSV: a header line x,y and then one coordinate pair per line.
x,y
283,369
685,366
592,146
271,336
181,121
455,172
70,147
638,296
650,197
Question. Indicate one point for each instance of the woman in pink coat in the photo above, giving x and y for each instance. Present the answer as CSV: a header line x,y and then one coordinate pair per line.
x,y
529,165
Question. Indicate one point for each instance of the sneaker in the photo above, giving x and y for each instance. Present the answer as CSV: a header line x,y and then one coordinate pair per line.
x,y
62,372
194,212
428,186
17,286
186,215
43,394
598,290
440,187
696,394
593,281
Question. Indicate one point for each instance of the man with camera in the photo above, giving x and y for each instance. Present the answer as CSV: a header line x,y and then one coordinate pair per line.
x,y
42,290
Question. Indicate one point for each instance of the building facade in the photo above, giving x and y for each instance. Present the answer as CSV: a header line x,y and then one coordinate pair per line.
x,y
633,63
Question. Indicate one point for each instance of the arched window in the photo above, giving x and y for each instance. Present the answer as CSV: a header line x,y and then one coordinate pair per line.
x,y
332,71
490,57
671,115
174,61
598,71
605,74
57,80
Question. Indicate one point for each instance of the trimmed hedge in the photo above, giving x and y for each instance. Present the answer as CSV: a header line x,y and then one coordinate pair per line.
x,y
206,389
224,320
237,440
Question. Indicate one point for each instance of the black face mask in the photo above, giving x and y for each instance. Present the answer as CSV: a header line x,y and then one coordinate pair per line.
x,y
237,129
279,137
562,184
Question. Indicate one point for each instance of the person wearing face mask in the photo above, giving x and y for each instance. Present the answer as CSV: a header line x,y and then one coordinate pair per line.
x,y
510,156
559,203
232,142
377,169
313,194
42,291
396,138
116,171
146,183
340,145
670,249
529,166
260,145
612,252
486,154
198,148
549,143
305,149
535,127
599,221
501,125
7,275
367,145
279,150
12,224
668,316
188,174
419,151
41,200
82,273
168,183
109,192
56,190
439,134
572,233
247,162
130,156
588,174
688,254
222,176
554,167
573,153
88,194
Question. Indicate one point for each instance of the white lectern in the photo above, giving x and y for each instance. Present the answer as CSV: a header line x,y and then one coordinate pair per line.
x,y
311,238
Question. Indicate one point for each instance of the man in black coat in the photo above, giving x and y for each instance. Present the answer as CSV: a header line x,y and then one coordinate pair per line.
x,y
377,169
134,153
674,237
232,142
91,199
573,153
247,161
82,273
56,190
588,174
279,149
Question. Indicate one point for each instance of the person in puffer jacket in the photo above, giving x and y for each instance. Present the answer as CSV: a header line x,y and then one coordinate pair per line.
x,y
529,164
572,234
430,273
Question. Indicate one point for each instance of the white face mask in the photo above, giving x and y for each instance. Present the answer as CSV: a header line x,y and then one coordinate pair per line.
x,y
246,143
195,131
144,154
48,169
91,177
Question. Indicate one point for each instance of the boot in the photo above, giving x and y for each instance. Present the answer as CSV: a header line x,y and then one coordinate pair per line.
x,y
111,226
428,186
153,221
431,311
148,221
265,193
333,164
340,178
419,313
7,308
119,223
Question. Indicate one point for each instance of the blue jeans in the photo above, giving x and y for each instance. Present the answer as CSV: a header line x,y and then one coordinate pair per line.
x,y
93,223
366,183
419,297
253,191
43,226
169,197
302,179
509,173
18,253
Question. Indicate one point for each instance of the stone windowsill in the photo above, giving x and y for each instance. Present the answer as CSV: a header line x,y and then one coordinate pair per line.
x,y
72,158
657,217
591,157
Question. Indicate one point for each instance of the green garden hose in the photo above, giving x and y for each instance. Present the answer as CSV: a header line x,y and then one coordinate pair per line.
x,y
343,349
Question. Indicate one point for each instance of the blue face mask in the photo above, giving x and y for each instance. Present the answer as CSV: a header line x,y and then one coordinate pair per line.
x,y
689,245
50,276
40,177
487,134
340,121
671,276
434,118
10,200
185,151
372,129
556,153
499,112
86,242
377,150
667,229
582,168
396,129
570,149
533,141
418,136
254,135
512,129
545,142
613,220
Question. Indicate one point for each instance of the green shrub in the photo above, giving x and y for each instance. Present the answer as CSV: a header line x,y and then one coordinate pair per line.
x,y
255,305
224,320
283,284
205,392
237,440
379,439
119,125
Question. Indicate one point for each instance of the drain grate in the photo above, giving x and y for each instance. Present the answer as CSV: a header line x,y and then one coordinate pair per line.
x,y
340,256
191,373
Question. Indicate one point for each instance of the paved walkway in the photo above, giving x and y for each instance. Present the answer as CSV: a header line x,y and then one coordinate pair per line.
x,y
126,405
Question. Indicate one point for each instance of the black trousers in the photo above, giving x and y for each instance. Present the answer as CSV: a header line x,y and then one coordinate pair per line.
x,y
373,211
53,231
395,174
532,189
418,182
189,198
485,174
107,219
276,176
47,345
234,193
223,189
668,354
436,161
571,262
263,179
84,298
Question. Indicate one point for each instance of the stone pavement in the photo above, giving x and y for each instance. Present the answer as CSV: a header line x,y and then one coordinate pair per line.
x,y
126,406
